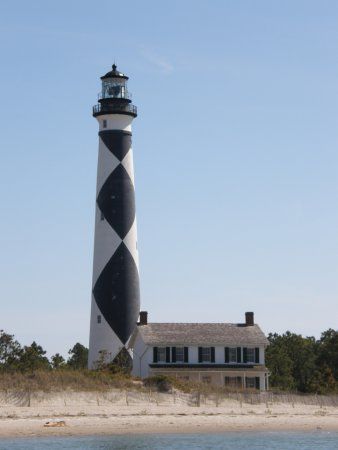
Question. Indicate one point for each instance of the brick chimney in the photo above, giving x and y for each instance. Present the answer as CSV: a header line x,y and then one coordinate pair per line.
x,y
249,319
143,317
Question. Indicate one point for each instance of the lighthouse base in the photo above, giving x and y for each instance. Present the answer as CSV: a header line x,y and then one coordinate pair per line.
x,y
104,344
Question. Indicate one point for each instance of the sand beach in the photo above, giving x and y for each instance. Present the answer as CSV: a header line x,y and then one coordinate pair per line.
x,y
117,412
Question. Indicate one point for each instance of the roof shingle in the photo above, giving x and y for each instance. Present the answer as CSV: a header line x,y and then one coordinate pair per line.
x,y
202,334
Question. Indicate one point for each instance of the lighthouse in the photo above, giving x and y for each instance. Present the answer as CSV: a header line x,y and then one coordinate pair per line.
x,y
115,289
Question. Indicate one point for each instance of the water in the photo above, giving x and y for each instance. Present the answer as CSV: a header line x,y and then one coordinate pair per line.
x,y
227,441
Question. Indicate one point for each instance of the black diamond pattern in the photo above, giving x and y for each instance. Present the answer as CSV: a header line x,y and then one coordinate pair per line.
x,y
117,295
116,200
117,141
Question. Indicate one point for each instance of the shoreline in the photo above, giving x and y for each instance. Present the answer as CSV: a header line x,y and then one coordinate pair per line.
x,y
164,423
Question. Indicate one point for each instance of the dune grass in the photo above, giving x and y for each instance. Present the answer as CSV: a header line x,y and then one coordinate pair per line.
x,y
83,380
64,379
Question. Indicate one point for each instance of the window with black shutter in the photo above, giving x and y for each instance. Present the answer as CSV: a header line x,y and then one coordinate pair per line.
x,y
199,354
250,382
232,355
206,354
239,354
226,355
245,355
257,355
250,355
162,354
173,354
258,384
155,354
167,354
179,354
235,382
186,354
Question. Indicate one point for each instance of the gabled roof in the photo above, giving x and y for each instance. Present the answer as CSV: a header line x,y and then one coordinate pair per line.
x,y
225,334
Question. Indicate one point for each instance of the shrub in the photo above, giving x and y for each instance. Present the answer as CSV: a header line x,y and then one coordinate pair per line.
x,y
161,383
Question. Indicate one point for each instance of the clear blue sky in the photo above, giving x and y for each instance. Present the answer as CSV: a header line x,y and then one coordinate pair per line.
x,y
235,156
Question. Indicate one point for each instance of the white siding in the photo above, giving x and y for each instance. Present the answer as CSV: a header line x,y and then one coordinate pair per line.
x,y
193,355
219,355
143,357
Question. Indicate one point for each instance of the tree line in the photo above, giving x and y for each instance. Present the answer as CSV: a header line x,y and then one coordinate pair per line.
x,y
295,363
303,364
15,357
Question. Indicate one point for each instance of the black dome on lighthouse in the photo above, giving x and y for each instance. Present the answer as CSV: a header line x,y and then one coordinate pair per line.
x,y
114,73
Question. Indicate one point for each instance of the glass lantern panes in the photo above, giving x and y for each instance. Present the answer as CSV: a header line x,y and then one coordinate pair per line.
x,y
114,88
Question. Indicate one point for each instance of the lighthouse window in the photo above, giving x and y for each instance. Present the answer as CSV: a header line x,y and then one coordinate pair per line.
x,y
104,124
98,319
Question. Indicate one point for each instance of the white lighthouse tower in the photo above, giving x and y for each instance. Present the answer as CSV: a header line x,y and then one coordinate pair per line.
x,y
115,294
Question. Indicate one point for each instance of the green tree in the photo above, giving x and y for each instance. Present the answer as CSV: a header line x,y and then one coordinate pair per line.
x,y
279,364
10,351
78,357
103,360
122,363
328,352
322,381
33,358
303,353
291,359
58,361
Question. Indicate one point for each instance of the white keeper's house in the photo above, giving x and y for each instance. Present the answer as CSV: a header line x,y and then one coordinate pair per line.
x,y
226,354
